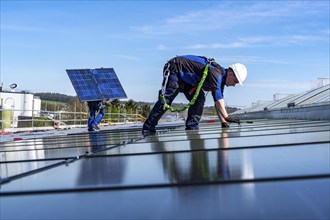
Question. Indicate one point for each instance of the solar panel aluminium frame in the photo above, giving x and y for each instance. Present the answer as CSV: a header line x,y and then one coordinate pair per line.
x,y
96,84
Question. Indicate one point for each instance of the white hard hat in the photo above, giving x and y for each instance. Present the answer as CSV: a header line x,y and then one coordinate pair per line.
x,y
240,72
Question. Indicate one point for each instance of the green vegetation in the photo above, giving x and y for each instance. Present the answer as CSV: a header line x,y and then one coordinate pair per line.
x,y
53,102
58,109
53,105
57,97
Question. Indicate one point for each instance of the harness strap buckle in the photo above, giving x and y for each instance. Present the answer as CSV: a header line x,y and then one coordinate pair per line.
x,y
166,74
210,60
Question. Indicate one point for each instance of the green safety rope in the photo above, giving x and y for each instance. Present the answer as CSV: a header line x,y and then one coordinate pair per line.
x,y
192,102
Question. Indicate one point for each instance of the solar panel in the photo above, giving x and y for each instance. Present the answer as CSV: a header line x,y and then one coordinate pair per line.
x,y
96,84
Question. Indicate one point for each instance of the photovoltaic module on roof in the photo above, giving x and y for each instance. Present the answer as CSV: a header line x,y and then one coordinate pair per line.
x,y
96,84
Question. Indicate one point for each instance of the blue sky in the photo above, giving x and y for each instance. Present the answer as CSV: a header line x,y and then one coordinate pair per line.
x,y
284,44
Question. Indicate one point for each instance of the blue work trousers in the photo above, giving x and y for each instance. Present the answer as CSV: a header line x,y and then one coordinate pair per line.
x,y
96,113
174,86
95,119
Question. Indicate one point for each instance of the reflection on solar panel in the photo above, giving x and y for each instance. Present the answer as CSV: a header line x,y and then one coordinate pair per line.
x,y
96,84
270,169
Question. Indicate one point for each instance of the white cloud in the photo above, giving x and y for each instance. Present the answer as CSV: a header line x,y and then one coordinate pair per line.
x,y
256,60
226,14
261,41
217,46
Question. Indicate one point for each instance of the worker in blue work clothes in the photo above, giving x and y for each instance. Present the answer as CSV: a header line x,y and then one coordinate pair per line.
x,y
183,74
96,114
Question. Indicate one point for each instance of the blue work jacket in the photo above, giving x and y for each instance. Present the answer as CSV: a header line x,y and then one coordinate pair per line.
x,y
191,68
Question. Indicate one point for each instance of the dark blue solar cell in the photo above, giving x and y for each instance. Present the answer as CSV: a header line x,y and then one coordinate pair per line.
x,y
96,84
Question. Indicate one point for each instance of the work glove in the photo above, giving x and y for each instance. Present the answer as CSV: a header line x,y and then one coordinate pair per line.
x,y
233,119
224,125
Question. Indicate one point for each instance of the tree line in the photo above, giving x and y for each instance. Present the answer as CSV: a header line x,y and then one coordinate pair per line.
x,y
56,97
57,101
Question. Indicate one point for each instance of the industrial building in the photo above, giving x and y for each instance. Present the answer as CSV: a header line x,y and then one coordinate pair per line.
x,y
15,104
310,105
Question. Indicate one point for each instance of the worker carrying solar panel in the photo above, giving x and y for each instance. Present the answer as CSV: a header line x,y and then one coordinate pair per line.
x,y
190,75
96,114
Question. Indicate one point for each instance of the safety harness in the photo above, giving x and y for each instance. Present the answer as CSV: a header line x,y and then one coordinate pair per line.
x,y
193,100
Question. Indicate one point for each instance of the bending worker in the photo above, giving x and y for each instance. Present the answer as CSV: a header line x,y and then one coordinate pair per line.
x,y
96,114
184,73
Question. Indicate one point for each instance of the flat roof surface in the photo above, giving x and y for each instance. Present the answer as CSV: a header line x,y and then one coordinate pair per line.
x,y
270,169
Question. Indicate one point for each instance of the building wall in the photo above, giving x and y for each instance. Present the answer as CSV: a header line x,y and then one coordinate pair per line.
x,y
21,104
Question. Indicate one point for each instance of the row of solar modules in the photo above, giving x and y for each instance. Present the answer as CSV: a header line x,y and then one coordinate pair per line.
x,y
265,170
